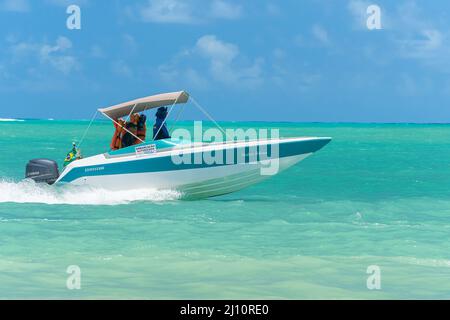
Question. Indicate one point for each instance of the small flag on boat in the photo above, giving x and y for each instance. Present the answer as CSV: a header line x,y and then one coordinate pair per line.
x,y
73,155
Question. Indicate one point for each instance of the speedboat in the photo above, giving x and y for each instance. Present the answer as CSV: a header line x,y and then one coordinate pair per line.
x,y
195,169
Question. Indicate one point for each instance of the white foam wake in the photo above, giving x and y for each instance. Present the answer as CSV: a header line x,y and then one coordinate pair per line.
x,y
28,191
10,120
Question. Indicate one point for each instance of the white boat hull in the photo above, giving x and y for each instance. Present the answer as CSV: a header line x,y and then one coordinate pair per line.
x,y
192,183
113,173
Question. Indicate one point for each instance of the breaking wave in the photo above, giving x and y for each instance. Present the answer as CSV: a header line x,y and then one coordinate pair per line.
x,y
27,191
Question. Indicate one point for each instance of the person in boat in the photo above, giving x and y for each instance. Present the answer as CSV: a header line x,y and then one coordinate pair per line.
x,y
160,129
116,142
122,138
141,129
129,136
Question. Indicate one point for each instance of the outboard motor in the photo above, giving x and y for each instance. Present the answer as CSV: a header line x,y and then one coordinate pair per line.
x,y
42,170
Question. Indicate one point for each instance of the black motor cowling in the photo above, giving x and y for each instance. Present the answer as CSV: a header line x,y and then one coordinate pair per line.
x,y
42,170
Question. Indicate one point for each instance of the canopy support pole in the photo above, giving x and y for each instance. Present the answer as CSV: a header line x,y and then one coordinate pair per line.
x,y
209,116
129,116
87,129
177,118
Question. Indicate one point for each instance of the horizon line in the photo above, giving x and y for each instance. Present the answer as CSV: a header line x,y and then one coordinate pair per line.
x,y
234,121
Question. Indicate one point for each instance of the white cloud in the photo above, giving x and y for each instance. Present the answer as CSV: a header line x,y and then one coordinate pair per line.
x,y
62,44
33,66
55,55
285,75
122,69
223,63
66,3
65,64
221,56
185,11
225,10
429,47
130,43
167,11
15,5
4,74
272,9
97,52
216,50
318,37
195,79
424,46
409,18
417,37
279,53
320,34
412,34
358,9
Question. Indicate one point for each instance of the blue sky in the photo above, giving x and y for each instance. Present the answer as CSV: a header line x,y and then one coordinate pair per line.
x,y
291,60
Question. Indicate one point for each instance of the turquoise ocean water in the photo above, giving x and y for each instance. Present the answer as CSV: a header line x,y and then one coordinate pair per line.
x,y
377,195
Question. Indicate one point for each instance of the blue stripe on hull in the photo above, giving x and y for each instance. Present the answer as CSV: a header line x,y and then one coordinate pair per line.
x,y
286,149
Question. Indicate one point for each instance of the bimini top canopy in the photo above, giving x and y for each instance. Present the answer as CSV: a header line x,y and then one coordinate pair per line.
x,y
142,104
